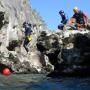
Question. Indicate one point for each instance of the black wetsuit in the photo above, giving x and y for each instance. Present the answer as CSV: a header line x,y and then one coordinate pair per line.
x,y
79,17
27,33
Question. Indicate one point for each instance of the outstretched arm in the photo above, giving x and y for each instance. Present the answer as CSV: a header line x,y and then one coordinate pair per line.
x,y
85,18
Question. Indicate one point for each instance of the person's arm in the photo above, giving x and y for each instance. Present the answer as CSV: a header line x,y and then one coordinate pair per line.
x,y
72,20
85,18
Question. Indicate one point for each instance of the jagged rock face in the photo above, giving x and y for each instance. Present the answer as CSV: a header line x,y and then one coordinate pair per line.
x,y
49,45
73,51
13,13
76,57
16,12
82,42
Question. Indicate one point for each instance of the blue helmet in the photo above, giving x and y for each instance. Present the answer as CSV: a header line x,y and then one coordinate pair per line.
x,y
61,11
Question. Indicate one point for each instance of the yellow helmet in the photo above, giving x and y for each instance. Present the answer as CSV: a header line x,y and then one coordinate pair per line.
x,y
75,9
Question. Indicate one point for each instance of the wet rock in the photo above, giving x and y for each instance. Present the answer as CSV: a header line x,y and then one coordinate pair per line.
x,y
39,63
13,44
73,57
48,45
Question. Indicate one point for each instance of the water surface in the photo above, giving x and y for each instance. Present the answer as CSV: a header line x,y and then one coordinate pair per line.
x,y
41,82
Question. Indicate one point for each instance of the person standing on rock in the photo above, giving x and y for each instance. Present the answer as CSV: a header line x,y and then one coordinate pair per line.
x,y
28,36
63,21
79,19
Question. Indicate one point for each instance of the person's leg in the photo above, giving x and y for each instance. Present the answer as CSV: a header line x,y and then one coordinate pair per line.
x,y
25,44
73,27
60,26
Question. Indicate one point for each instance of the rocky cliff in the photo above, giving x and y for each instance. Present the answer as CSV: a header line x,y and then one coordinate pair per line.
x,y
68,51
13,13
63,52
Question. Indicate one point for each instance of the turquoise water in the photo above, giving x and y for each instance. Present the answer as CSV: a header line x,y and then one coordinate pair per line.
x,y
41,82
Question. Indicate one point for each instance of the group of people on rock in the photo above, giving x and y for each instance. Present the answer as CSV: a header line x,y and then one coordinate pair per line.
x,y
79,19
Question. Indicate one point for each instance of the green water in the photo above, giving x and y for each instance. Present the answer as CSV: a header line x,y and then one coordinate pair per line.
x,y
41,82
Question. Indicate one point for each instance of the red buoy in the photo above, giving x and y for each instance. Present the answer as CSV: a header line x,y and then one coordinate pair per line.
x,y
6,71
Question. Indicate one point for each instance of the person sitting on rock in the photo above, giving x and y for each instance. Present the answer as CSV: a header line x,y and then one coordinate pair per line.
x,y
28,36
63,21
79,19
